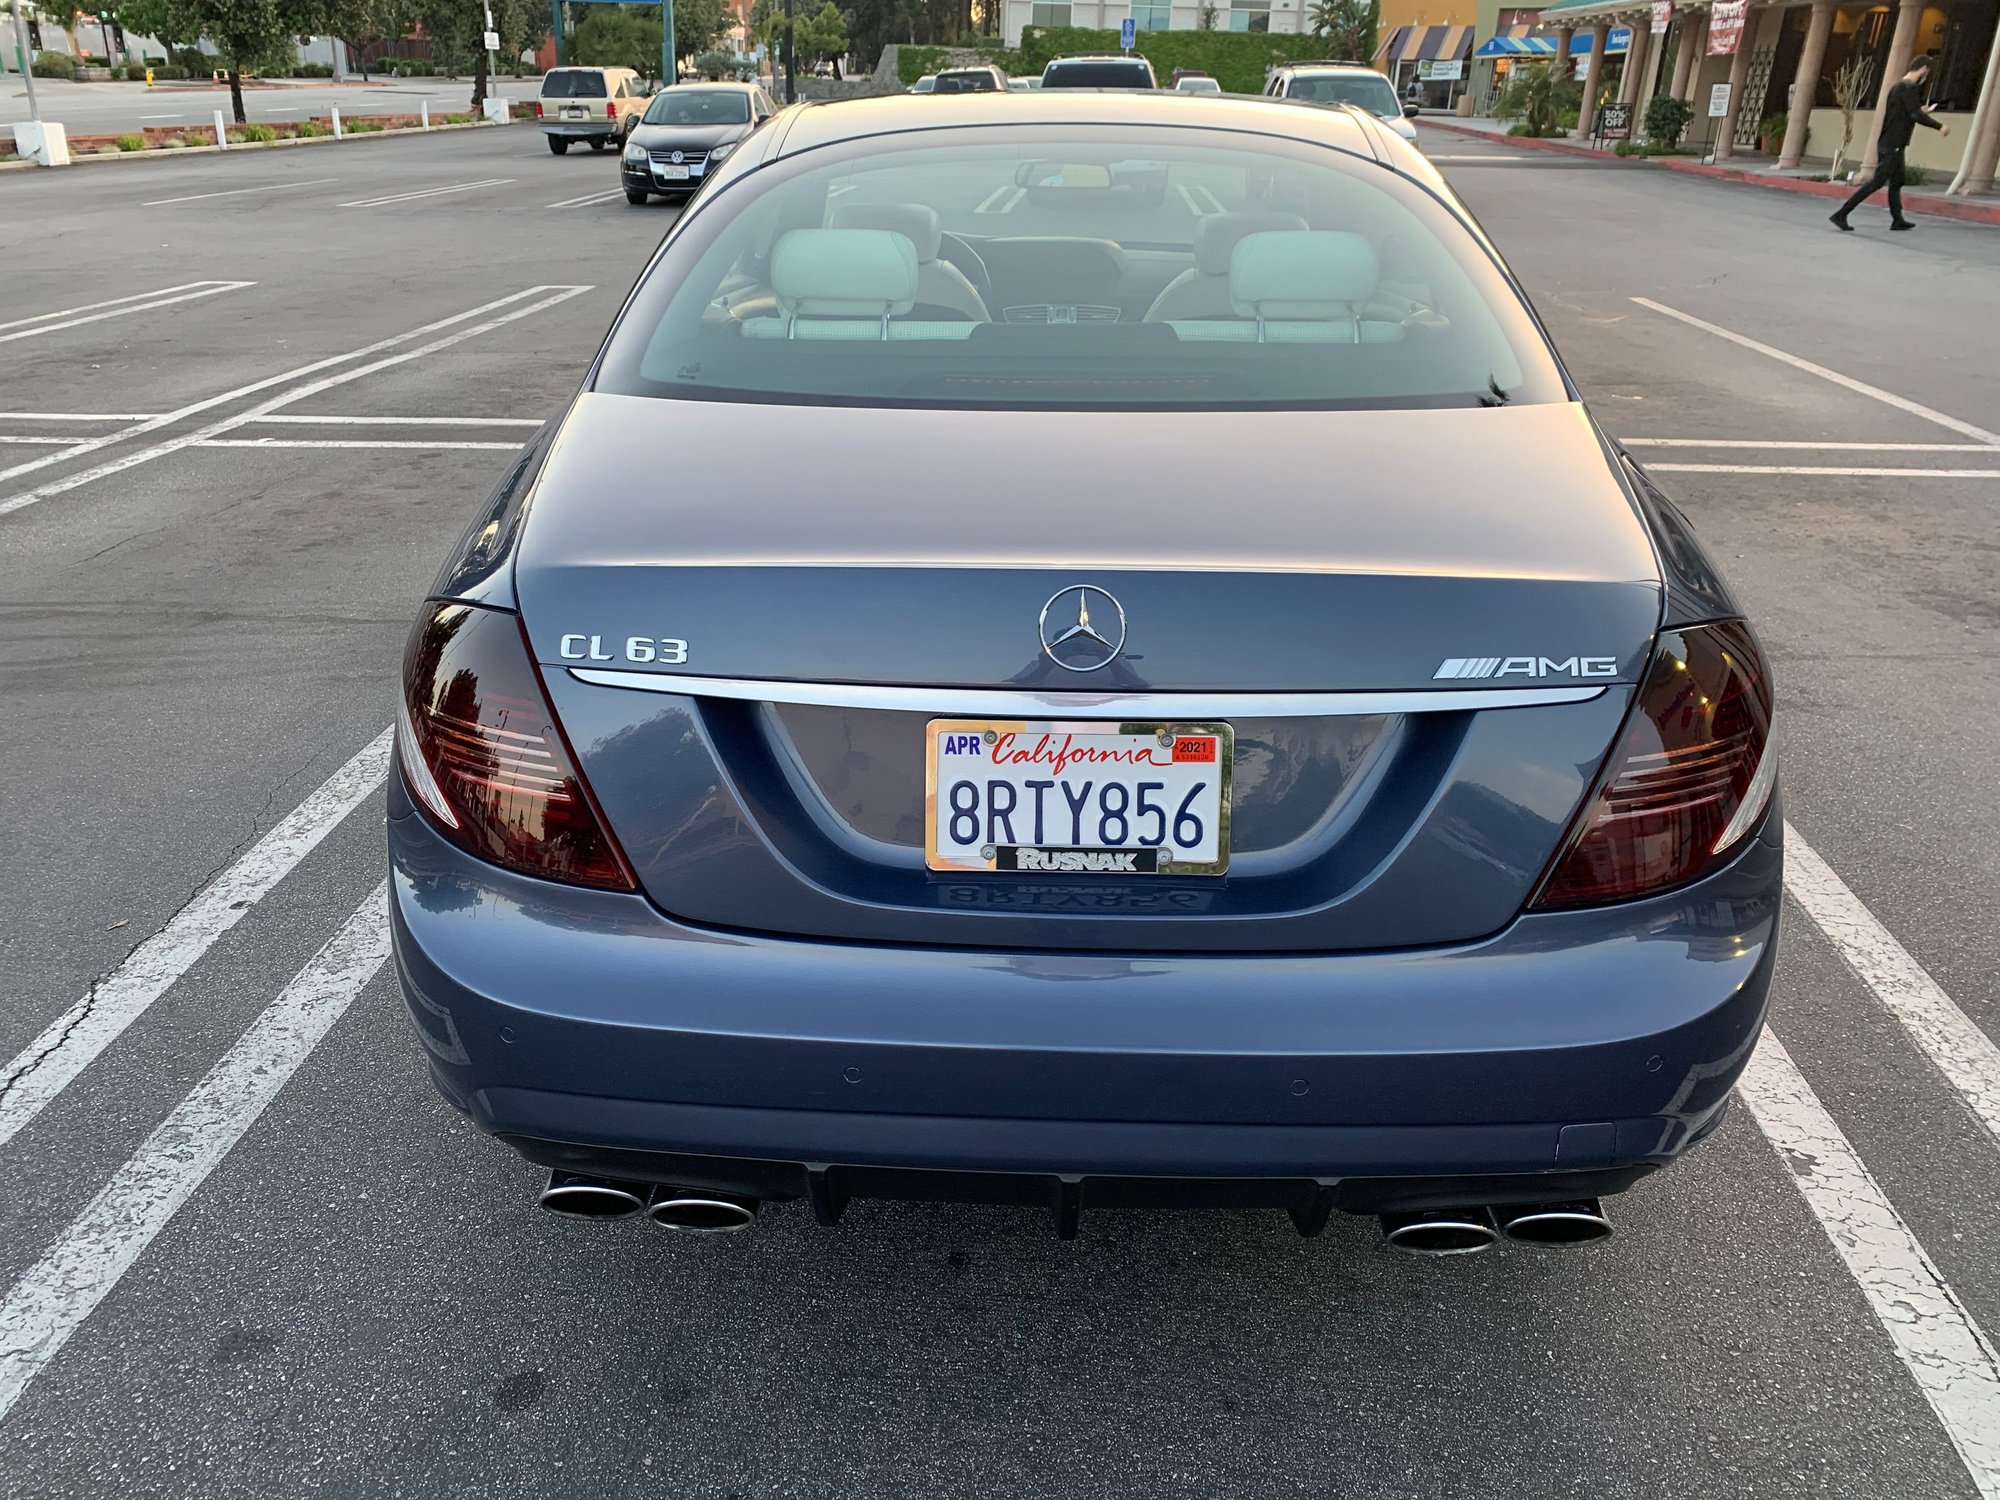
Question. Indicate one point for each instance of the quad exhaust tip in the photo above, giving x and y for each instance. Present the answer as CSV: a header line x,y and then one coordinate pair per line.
x,y
571,1195
1441,1231
693,1211
1580,1221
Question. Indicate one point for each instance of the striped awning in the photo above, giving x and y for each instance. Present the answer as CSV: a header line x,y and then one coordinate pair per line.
x,y
1515,44
1426,44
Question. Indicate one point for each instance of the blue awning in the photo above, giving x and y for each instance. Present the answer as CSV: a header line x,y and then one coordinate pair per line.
x,y
1619,40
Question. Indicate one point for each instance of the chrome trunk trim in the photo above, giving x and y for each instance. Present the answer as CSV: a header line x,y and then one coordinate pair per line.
x,y
1021,704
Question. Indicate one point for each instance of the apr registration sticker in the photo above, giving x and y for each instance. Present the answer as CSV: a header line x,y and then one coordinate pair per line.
x,y
1077,799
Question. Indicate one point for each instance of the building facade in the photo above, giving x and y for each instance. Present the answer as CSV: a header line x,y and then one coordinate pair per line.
x,y
1282,16
1786,62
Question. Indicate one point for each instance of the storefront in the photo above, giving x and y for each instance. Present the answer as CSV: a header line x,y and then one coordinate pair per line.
x,y
1776,75
1427,64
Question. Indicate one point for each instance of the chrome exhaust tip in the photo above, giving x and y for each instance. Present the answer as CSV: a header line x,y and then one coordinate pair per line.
x,y
1441,1231
1581,1221
694,1211
571,1195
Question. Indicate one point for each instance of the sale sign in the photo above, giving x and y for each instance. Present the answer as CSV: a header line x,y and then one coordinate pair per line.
x,y
1663,15
1725,27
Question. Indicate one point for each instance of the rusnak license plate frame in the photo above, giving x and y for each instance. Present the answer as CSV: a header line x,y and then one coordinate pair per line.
x,y
1051,739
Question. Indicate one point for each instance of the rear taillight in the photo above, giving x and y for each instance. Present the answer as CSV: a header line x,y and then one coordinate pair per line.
x,y
1691,776
482,753
538,109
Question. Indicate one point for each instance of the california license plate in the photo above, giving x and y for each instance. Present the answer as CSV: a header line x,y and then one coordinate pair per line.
x,y
1069,798
668,172
573,113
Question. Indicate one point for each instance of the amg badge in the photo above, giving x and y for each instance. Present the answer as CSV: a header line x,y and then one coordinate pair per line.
x,y
1463,667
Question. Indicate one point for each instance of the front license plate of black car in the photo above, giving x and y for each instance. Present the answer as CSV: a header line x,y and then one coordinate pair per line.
x,y
1015,796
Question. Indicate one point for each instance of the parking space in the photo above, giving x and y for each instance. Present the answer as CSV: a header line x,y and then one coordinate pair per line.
x,y
245,1260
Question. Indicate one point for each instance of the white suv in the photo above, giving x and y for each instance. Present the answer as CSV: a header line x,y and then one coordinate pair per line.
x,y
1344,83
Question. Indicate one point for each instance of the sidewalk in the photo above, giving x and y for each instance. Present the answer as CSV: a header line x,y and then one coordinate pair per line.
x,y
1745,167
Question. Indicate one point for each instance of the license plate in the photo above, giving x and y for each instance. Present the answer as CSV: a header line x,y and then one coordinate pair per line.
x,y
1067,798
573,114
671,173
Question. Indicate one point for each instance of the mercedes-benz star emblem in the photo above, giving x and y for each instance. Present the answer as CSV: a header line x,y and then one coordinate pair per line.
x,y
1097,636
677,156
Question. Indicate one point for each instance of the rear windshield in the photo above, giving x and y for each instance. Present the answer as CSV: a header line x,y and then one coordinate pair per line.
x,y
573,83
966,83
1097,75
1079,267
686,106
1369,91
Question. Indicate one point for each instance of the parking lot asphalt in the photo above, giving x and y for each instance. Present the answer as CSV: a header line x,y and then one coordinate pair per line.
x,y
246,403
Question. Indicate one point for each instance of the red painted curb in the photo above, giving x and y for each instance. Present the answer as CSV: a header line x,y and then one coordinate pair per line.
x,y
1943,208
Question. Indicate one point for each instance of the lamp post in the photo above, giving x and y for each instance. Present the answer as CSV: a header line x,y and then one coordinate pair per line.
x,y
27,65
670,62
791,88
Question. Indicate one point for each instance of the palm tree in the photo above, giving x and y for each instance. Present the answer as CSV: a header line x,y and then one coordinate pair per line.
x,y
1349,26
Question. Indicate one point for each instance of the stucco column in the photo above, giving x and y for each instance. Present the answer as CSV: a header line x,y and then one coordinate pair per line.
x,y
1637,55
1983,130
1985,152
1697,54
1805,83
1565,64
1683,55
1902,43
1593,77
1739,70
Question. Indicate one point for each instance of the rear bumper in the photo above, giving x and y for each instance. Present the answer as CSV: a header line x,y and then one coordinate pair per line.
x,y
580,129
1572,1051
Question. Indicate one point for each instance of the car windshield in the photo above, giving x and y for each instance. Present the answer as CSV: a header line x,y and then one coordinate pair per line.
x,y
573,83
1109,74
1078,267
1369,91
686,106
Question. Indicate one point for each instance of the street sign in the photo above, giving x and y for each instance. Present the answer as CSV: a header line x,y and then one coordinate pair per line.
x,y
1128,33
492,42
1718,101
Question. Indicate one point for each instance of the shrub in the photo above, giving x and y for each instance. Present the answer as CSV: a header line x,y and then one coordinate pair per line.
x,y
131,143
172,143
1236,60
913,62
459,119
1771,131
1913,176
168,72
315,70
1667,119
309,128
363,127
95,60
52,65
1535,96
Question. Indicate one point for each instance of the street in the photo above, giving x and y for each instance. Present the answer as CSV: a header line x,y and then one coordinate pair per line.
x,y
247,403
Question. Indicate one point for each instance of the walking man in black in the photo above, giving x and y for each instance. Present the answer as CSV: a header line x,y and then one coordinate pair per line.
x,y
1901,114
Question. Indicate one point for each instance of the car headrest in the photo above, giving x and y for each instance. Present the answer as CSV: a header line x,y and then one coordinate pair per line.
x,y
1304,273
845,273
914,221
1217,235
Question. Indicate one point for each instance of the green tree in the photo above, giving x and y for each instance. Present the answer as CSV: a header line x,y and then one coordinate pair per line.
x,y
1536,96
1349,26
816,35
158,19
243,32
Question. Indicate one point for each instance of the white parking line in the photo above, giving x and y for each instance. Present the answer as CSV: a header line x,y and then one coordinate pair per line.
x,y
42,441
1945,1351
76,416
432,447
117,307
999,202
269,187
60,1291
1819,470
585,202
68,1044
436,192
1477,156
1946,1035
1188,198
1848,382
1763,443
1215,204
306,419
99,471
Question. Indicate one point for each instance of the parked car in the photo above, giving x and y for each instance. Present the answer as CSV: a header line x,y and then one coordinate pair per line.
x,y
686,132
923,85
1114,70
1188,81
1022,85
1271,832
597,105
1351,83
983,79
